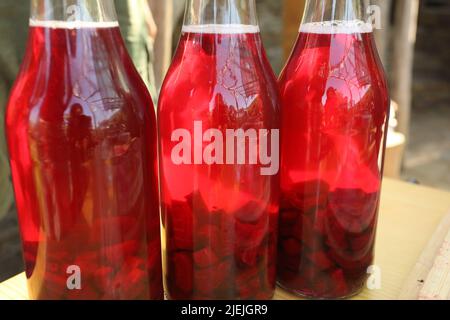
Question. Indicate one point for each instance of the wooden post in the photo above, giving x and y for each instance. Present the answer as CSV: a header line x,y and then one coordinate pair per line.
x,y
178,10
382,36
292,16
163,14
404,39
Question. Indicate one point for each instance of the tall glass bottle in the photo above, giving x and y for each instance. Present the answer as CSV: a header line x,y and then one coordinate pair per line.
x,y
219,157
82,139
335,112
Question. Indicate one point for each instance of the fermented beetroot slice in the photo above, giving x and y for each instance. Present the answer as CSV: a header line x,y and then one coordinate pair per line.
x,y
337,243
336,236
219,237
353,209
156,285
288,230
87,293
243,275
310,238
54,287
289,216
321,286
155,271
114,270
223,244
251,212
227,242
154,257
211,279
198,209
270,278
295,279
223,247
56,281
247,290
291,263
319,221
182,274
309,270
264,295
354,202
351,224
321,260
306,196
291,247
340,288
180,227
205,258
102,277
357,268
361,244
247,257
132,279
117,254
249,235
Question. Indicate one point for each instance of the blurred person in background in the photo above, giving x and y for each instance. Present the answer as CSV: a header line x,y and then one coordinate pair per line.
x,y
139,32
14,17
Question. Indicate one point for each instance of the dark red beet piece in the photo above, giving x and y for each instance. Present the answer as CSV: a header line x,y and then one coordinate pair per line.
x,y
326,239
205,258
291,247
220,254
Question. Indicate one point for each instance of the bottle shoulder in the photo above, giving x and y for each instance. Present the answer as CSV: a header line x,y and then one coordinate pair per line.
x,y
323,68
191,81
50,98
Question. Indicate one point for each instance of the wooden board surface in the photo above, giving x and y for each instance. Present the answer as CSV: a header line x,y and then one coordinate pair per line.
x,y
430,277
409,217
292,16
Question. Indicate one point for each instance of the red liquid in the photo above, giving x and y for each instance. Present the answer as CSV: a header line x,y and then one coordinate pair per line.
x,y
335,111
220,219
82,141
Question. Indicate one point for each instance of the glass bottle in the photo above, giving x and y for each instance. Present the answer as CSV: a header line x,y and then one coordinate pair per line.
x,y
82,139
219,126
335,111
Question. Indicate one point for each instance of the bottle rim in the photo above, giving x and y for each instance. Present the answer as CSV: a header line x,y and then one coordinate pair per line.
x,y
221,28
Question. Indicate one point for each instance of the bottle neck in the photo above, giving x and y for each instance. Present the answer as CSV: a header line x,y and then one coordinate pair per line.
x,y
335,10
220,12
73,10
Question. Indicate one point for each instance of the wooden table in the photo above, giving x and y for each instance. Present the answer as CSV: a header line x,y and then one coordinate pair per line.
x,y
409,216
